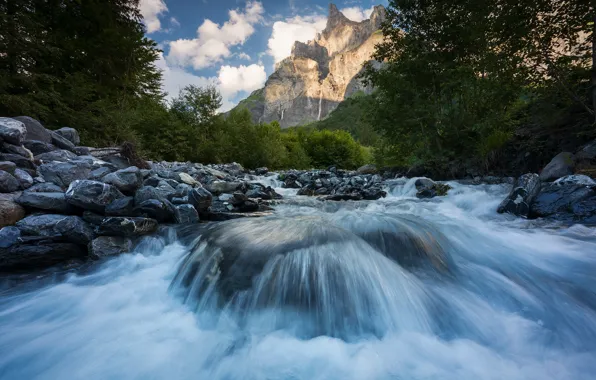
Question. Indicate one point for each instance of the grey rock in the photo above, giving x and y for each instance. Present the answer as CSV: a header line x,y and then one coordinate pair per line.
x,y
82,151
38,147
70,134
35,131
8,183
121,207
368,169
64,173
555,198
182,190
38,255
200,198
180,200
17,150
261,171
75,230
219,187
126,226
8,166
126,180
24,178
61,142
10,211
106,246
69,228
46,187
146,193
12,131
9,236
561,165
161,210
99,173
186,214
92,195
518,202
118,161
20,161
428,188
59,155
52,202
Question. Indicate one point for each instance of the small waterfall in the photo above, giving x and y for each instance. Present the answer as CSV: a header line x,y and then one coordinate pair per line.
x,y
282,114
320,104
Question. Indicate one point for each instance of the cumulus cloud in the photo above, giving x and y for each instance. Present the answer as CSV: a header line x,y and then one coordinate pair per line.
x,y
304,28
213,41
230,81
298,28
357,14
244,56
150,10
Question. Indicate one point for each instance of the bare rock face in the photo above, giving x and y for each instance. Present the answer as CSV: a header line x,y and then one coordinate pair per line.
x,y
320,74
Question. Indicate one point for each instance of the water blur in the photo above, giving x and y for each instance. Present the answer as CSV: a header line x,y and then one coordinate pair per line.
x,y
398,288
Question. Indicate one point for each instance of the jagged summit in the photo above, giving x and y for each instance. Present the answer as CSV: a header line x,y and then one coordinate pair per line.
x,y
319,74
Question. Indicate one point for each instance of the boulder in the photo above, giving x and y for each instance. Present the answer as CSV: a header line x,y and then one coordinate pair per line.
x,y
45,187
65,173
367,169
8,183
8,166
182,190
10,211
82,151
61,142
161,210
146,193
12,131
219,187
261,171
187,179
121,207
99,173
38,255
24,178
35,131
38,147
18,160
561,165
70,134
72,229
105,246
200,198
51,202
126,180
518,202
18,150
126,226
186,214
428,188
555,198
59,155
9,236
92,195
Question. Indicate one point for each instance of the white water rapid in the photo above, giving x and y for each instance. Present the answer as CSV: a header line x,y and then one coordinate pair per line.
x,y
398,288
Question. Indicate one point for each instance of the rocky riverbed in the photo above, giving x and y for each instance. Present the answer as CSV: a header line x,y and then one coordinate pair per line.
x,y
62,203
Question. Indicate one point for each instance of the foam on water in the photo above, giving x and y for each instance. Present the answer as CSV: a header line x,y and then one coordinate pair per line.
x,y
519,302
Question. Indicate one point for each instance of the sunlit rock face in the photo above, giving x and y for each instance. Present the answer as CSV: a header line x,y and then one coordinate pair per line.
x,y
320,74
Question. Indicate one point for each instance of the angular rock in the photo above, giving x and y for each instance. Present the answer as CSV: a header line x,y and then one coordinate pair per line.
x,y
180,200
24,178
200,198
219,187
59,155
82,151
99,173
65,173
75,230
161,210
105,246
121,207
62,142
428,188
16,150
51,202
561,165
554,198
146,193
261,171
8,166
19,161
9,236
12,131
92,195
46,187
518,202
70,134
182,190
8,183
186,214
126,226
35,131
60,227
38,147
38,255
10,212
187,179
126,180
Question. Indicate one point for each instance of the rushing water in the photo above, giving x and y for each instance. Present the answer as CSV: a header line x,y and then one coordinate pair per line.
x,y
392,289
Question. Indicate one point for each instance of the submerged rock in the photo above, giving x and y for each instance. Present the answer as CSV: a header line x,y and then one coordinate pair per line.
x,y
427,188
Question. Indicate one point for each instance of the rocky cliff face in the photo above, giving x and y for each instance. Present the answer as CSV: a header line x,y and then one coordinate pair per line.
x,y
320,74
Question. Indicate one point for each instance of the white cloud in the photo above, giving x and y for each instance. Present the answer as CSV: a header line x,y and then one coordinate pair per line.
x,y
150,10
175,23
233,80
244,56
230,81
299,28
213,41
357,14
305,28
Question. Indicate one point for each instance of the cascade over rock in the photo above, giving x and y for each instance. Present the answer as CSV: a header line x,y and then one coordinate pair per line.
x,y
318,75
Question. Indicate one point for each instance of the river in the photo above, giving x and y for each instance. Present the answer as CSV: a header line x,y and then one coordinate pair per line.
x,y
506,299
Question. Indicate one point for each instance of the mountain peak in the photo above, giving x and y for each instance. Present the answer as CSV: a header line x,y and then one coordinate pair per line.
x,y
335,18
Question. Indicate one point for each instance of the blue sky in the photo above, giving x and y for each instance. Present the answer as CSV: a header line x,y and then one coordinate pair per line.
x,y
234,44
